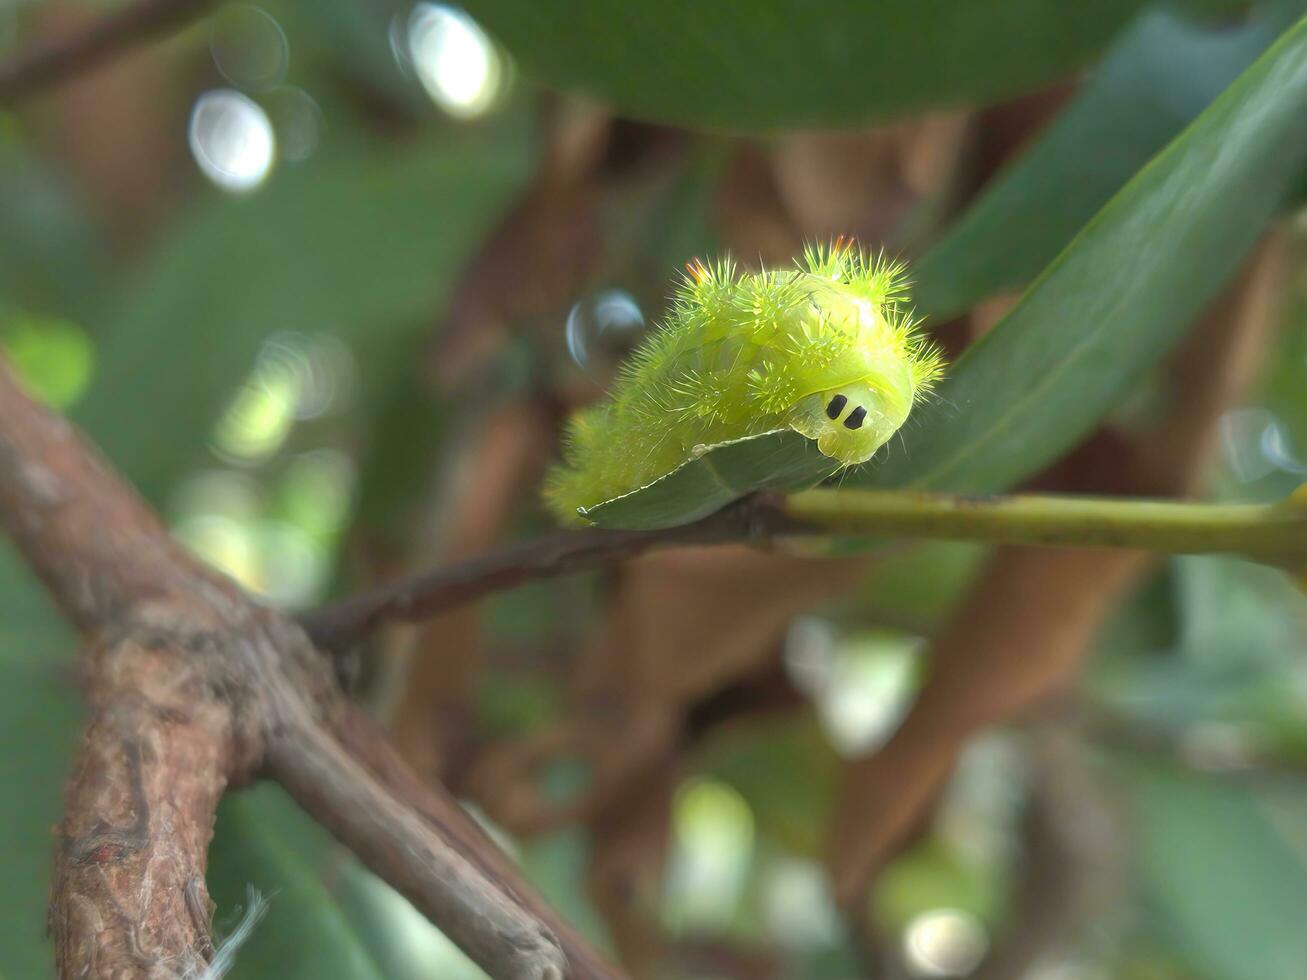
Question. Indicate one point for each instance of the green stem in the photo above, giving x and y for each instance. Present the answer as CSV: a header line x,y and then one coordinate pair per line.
x,y
1274,533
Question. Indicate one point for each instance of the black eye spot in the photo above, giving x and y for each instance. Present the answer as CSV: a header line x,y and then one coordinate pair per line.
x,y
836,406
854,421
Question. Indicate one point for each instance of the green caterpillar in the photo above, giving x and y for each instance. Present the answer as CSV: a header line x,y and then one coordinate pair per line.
x,y
825,349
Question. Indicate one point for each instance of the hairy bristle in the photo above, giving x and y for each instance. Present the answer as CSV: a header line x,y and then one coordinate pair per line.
x,y
736,355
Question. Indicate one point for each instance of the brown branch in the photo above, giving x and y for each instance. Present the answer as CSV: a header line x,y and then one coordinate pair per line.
x,y
1274,533
129,883
442,813
393,839
195,688
431,591
57,61
160,747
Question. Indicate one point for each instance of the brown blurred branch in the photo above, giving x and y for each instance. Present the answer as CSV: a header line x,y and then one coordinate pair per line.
x,y
52,62
194,689
431,591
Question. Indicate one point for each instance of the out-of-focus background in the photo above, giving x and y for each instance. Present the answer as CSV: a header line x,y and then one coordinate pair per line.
x,y
323,279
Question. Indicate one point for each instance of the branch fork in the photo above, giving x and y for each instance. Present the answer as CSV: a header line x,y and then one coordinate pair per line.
x,y
195,689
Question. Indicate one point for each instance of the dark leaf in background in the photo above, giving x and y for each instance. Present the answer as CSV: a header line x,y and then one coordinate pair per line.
x,y
40,723
1226,870
51,259
742,65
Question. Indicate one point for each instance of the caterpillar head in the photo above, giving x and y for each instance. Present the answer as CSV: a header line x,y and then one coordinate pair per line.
x,y
851,422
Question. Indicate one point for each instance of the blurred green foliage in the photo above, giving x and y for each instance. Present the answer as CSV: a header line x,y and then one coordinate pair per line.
x,y
358,246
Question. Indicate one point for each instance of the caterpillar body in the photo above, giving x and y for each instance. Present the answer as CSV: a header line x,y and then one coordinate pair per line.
x,y
826,349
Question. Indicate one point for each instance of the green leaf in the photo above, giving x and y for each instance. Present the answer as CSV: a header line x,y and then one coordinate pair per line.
x,y
1227,665
1161,75
781,461
745,65
326,915
40,723
363,246
1121,294
1225,870
51,259
262,843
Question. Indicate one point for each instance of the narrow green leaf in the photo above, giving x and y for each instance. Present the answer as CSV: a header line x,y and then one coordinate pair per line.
x,y
744,65
263,843
1121,294
326,915
781,461
40,720
40,723
1152,84
1225,871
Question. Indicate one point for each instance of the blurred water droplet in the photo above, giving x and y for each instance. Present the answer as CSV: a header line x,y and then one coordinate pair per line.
x,y
1278,451
249,47
603,329
862,685
317,490
797,905
397,34
53,358
297,120
457,64
872,686
292,567
326,369
809,654
224,493
232,141
1242,431
944,943
977,813
262,412
295,377
713,843
226,544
